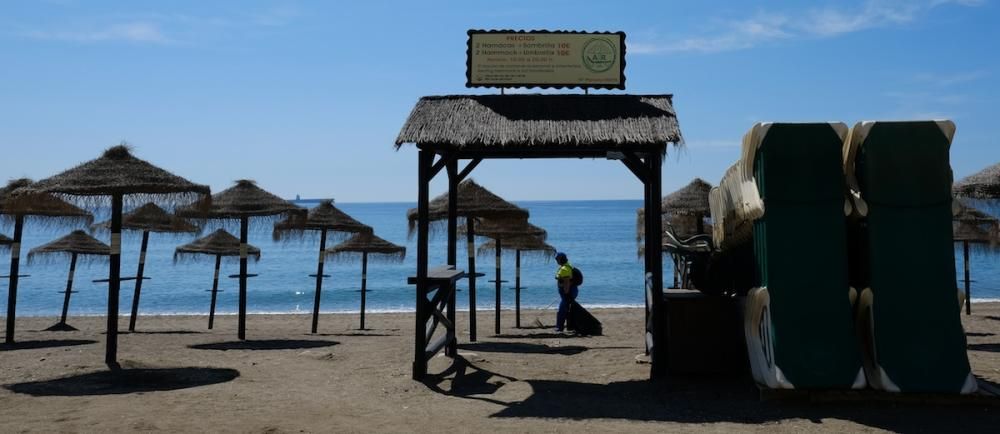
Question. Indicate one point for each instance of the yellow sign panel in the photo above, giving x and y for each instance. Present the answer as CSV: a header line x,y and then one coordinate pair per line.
x,y
546,59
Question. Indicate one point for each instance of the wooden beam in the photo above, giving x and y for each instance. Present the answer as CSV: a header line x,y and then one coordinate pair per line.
x,y
468,169
636,165
424,161
441,163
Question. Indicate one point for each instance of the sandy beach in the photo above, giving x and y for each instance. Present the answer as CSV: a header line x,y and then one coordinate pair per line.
x,y
285,380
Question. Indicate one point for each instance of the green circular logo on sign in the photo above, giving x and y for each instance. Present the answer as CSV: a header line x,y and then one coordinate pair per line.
x,y
599,55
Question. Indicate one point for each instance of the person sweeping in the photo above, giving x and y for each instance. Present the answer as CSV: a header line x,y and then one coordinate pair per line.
x,y
568,289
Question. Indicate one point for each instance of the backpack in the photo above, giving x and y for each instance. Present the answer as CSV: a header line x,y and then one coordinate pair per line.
x,y
577,277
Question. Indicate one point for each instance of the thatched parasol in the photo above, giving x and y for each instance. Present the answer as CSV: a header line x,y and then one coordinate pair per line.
x,y
366,244
39,205
219,244
685,209
973,227
241,202
983,185
532,246
323,218
148,218
118,175
75,244
474,201
500,231
5,241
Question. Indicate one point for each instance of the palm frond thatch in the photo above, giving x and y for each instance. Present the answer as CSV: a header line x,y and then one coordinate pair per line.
x,y
218,243
325,216
14,201
979,229
152,218
475,201
116,172
529,246
530,122
376,248
505,229
5,242
684,209
77,242
245,199
984,184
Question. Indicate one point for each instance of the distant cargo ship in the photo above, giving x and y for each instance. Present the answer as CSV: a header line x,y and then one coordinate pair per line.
x,y
299,200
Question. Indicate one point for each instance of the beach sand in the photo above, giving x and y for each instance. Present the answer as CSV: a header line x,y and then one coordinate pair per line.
x,y
286,380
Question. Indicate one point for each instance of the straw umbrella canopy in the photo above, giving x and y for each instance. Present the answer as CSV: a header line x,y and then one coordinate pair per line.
x,y
44,206
323,218
241,202
148,218
119,175
219,244
684,209
972,227
983,185
530,245
5,241
366,244
473,201
77,243
500,231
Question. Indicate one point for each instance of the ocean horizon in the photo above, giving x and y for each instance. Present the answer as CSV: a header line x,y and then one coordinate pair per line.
x,y
598,235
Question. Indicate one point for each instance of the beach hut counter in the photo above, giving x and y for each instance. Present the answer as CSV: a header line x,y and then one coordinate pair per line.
x,y
472,201
74,245
148,218
241,202
220,244
119,176
324,218
634,129
49,210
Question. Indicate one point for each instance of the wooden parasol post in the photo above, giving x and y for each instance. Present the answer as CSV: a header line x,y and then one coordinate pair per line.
x,y
364,285
114,281
69,290
15,269
471,244
215,291
319,280
138,281
968,291
244,229
517,289
497,308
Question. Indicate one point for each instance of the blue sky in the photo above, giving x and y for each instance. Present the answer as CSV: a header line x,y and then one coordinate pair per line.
x,y
308,97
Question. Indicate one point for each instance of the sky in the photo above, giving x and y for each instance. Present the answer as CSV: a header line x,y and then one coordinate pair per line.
x,y
307,97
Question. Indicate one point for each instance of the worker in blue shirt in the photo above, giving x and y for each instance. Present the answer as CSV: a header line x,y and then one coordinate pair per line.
x,y
567,290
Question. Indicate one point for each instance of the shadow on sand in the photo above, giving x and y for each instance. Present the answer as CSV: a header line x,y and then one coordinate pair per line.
x,y
979,335
523,348
162,332
708,400
991,347
271,344
124,381
549,335
50,343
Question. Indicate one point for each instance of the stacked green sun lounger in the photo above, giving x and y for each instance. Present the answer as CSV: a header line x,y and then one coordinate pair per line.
x,y
908,311
799,321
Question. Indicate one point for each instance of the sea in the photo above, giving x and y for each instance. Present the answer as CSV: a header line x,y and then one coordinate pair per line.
x,y
598,236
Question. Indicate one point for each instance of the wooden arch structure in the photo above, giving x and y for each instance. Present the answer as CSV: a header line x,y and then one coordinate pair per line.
x,y
634,129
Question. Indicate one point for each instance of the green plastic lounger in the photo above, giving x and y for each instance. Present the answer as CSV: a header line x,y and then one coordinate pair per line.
x,y
799,319
900,177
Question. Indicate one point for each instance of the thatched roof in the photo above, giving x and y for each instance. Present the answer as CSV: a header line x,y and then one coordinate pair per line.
x,y
474,200
150,217
534,122
78,242
975,226
529,246
506,229
118,172
692,199
323,216
245,199
5,242
14,201
375,247
984,184
218,243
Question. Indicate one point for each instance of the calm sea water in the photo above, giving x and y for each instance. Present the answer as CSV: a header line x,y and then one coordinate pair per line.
x,y
599,237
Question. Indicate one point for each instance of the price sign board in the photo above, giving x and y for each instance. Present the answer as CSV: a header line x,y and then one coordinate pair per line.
x,y
507,58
